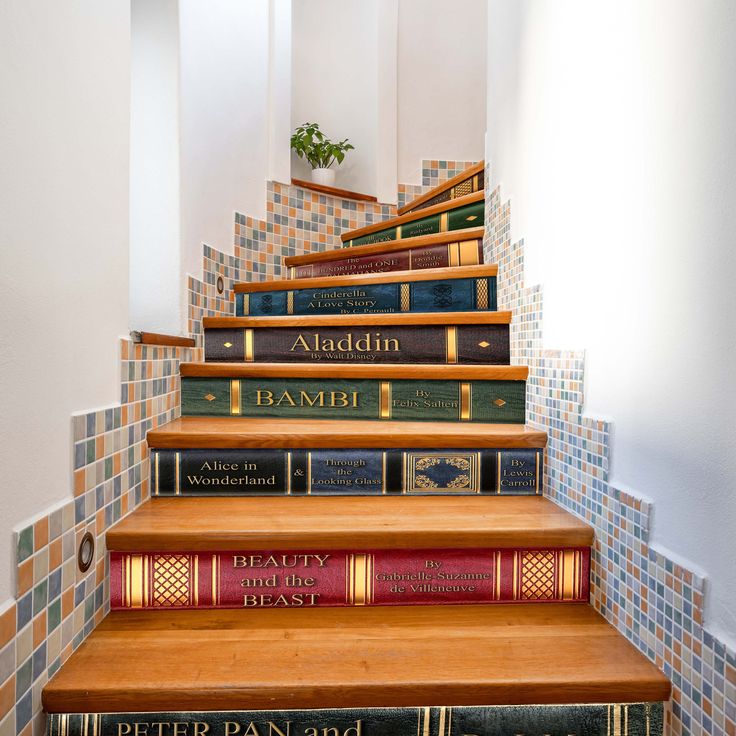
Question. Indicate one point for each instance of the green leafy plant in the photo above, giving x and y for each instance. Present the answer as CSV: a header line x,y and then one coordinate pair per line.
x,y
309,142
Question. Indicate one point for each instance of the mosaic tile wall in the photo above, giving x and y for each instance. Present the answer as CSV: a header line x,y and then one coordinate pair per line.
x,y
655,603
434,172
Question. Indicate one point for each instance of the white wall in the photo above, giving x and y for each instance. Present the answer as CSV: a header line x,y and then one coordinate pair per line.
x,y
155,273
611,128
442,82
341,49
224,63
64,84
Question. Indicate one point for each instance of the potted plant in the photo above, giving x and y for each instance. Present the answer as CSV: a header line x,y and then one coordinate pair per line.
x,y
309,142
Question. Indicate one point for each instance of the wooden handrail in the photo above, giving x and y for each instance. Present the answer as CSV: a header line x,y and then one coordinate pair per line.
x,y
333,191
457,179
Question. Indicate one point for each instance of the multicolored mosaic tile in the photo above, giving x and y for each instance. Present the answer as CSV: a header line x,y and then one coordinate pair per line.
x,y
655,603
434,172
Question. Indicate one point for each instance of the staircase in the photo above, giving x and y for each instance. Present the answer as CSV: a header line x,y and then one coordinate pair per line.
x,y
352,466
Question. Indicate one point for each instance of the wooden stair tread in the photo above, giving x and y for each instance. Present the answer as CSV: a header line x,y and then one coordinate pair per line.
x,y
350,320
328,522
325,282
450,204
468,173
387,246
395,371
234,432
352,657
333,191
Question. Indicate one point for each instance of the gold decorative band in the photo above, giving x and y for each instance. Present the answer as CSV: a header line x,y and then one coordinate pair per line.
x,y
246,304
538,489
451,342
292,271
466,406
288,472
475,183
248,345
468,253
385,400
135,581
156,459
498,472
398,233
177,474
444,222
215,579
405,300
570,568
359,588
481,293
453,254
235,396
290,302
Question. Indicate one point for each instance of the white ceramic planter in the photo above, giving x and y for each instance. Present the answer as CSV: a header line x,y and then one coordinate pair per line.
x,y
325,177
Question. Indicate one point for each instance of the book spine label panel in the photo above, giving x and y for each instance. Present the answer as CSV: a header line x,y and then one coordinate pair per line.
x,y
465,253
454,344
470,215
309,578
600,719
442,295
469,401
346,472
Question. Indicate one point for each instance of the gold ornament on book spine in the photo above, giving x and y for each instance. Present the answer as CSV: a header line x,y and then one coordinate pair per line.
x,y
248,344
481,293
451,343
359,588
405,300
235,397
290,302
385,400
468,255
177,474
246,305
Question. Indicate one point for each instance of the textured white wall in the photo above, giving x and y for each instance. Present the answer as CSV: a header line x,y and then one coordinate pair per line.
x,y
155,274
611,128
339,52
224,73
64,84
442,82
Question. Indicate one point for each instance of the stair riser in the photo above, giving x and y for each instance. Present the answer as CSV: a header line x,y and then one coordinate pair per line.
x,y
616,719
484,344
346,472
309,578
465,253
479,401
469,215
467,186
446,295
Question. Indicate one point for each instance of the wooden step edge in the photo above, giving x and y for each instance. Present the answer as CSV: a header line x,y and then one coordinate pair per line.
x,y
217,524
156,338
388,246
240,432
333,191
396,372
436,209
347,320
368,279
468,173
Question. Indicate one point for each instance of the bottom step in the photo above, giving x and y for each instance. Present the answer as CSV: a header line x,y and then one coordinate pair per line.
x,y
617,719
148,661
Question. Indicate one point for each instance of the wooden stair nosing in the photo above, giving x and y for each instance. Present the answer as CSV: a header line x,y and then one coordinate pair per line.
x,y
435,209
241,432
468,173
340,320
387,246
395,371
214,524
149,661
389,277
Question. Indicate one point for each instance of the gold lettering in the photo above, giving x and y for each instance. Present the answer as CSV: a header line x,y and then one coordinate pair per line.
x,y
124,729
304,396
252,730
140,729
201,729
391,344
231,728
264,398
181,728
302,342
273,727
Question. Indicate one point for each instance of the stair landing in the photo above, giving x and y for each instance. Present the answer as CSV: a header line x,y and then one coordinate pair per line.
x,y
359,657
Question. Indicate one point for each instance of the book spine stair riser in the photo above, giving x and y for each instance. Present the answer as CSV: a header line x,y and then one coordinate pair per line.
x,y
310,578
478,344
335,398
469,215
465,253
441,295
346,472
602,719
